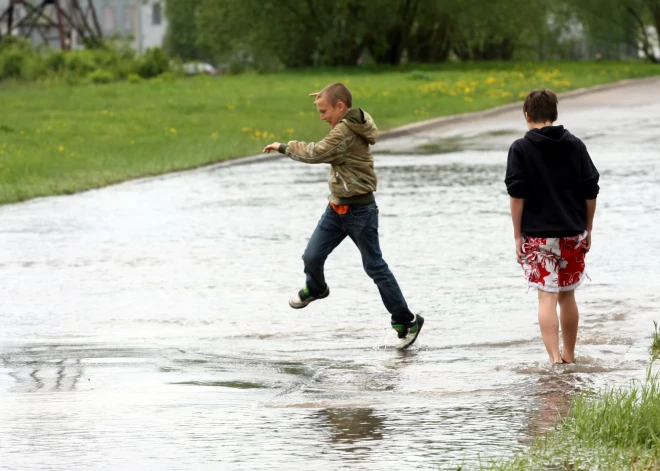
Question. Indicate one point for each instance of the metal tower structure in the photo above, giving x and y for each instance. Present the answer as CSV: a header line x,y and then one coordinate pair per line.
x,y
68,22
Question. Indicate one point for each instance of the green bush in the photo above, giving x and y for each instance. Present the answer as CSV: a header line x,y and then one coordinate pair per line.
x,y
14,42
19,61
153,63
134,78
80,63
12,63
34,67
55,61
101,76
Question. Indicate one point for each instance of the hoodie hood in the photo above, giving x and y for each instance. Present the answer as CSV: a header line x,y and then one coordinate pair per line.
x,y
360,122
550,136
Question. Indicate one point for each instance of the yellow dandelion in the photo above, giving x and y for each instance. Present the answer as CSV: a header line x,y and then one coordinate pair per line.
x,y
522,95
105,112
214,135
61,148
246,129
50,128
22,132
257,133
173,130
347,81
302,113
249,102
491,80
467,90
231,107
317,85
132,142
468,99
289,131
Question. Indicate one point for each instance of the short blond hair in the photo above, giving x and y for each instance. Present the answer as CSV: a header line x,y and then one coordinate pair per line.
x,y
336,92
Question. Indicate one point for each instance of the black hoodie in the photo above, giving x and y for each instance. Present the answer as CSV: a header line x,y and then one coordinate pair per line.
x,y
551,170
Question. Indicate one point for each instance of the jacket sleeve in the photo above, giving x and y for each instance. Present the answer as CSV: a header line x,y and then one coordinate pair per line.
x,y
590,176
332,147
516,183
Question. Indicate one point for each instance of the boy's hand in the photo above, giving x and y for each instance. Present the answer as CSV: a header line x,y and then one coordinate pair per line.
x,y
315,94
519,251
274,146
587,244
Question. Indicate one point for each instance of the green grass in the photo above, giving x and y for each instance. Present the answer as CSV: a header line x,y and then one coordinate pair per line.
x,y
655,346
618,429
59,139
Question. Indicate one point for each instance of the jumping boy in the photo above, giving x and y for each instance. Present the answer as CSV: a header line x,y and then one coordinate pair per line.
x,y
352,210
553,185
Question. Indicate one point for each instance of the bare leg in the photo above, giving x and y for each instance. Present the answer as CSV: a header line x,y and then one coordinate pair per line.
x,y
569,317
549,324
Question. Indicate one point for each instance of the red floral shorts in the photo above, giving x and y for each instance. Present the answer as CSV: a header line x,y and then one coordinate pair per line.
x,y
554,264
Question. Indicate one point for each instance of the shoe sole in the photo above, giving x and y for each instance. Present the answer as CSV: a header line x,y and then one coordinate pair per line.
x,y
420,324
301,306
325,295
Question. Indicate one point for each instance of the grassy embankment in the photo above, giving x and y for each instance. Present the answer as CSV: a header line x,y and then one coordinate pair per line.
x,y
616,429
59,139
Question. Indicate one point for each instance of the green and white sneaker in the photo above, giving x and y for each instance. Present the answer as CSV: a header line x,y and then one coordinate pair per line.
x,y
302,298
408,333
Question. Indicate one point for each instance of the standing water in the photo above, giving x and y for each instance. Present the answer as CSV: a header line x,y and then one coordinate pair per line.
x,y
146,325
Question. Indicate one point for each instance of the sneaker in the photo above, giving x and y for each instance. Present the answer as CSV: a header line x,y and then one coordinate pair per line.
x,y
302,298
408,333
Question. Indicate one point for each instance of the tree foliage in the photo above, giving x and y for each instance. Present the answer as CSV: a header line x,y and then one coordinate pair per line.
x,y
266,34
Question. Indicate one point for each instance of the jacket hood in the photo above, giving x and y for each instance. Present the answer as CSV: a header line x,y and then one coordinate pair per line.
x,y
550,137
360,122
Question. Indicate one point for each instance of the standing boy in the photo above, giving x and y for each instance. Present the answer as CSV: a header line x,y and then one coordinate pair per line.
x,y
352,210
553,185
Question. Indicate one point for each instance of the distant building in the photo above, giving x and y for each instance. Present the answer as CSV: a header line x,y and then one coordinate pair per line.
x,y
143,20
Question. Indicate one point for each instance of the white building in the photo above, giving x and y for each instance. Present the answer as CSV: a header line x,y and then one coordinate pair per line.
x,y
144,20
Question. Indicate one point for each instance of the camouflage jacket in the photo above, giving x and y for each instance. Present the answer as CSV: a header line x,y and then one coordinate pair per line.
x,y
352,178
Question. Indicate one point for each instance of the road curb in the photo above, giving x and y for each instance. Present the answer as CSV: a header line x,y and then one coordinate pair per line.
x,y
433,123
415,128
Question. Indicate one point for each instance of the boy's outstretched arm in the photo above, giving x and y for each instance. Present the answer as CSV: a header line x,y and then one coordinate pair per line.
x,y
325,151
517,205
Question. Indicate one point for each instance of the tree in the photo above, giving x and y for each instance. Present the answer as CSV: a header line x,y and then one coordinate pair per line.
x,y
181,37
611,23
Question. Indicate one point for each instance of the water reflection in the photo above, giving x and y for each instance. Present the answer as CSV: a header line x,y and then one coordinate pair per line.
x,y
348,426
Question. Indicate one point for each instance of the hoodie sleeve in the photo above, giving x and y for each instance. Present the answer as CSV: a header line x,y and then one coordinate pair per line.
x,y
590,176
332,147
516,184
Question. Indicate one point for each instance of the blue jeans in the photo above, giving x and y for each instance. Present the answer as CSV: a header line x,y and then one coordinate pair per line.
x,y
361,225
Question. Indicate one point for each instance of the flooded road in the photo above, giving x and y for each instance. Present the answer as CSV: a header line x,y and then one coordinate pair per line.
x,y
146,325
